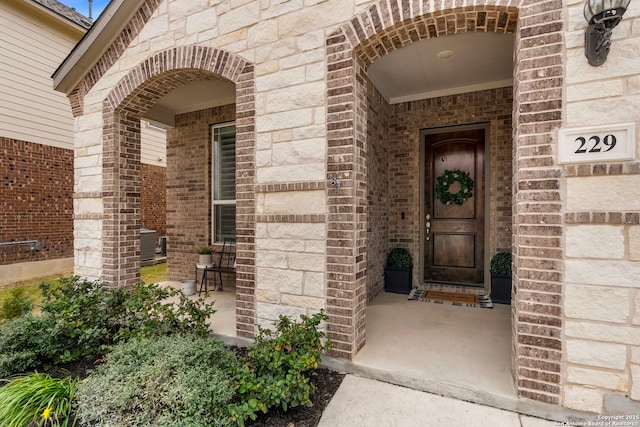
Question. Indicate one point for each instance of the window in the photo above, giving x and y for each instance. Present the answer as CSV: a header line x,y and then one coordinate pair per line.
x,y
223,176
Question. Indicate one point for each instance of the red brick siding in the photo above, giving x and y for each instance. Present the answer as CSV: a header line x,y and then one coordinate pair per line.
x,y
153,197
35,200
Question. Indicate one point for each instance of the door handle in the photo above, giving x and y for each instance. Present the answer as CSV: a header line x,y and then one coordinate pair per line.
x,y
427,225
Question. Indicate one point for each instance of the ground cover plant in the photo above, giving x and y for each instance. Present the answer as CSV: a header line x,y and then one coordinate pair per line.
x,y
170,381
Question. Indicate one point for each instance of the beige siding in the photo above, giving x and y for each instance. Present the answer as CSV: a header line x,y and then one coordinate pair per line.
x,y
32,45
153,145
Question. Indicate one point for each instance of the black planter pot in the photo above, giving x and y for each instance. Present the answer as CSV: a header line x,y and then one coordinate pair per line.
x,y
500,288
397,280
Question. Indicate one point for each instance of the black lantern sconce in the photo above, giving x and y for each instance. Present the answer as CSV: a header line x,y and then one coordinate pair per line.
x,y
602,16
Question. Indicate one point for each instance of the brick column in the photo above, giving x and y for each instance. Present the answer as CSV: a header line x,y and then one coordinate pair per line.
x,y
346,264
537,205
121,199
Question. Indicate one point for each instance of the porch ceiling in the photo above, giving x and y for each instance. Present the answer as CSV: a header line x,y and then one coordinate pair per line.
x,y
445,65
192,96
477,61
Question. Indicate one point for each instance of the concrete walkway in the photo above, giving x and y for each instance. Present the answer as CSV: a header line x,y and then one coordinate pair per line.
x,y
363,402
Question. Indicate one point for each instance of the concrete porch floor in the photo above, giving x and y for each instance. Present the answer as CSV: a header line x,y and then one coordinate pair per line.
x,y
443,348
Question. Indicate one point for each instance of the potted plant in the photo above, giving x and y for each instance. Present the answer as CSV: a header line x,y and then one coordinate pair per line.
x,y
501,278
398,271
204,255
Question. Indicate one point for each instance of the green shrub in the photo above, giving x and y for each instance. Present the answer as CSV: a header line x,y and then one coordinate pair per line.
x,y
274,375
25,343
79,314
88,317
170,381
145,312
82,319
16,305
399,258
501,263
37,399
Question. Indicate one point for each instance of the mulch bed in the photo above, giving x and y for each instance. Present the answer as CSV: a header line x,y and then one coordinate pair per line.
x,y
325,380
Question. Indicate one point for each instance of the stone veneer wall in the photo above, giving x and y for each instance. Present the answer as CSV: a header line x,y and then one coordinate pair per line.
x,y
489,106
189,189
36,200
601,296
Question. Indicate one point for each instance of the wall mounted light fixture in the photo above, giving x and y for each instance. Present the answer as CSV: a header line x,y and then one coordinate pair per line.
x,y
602,16
334,183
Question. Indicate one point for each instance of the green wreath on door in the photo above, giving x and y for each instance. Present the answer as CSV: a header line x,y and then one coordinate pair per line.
x,y
444,182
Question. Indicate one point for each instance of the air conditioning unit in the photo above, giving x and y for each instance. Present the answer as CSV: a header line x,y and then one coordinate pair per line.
x,y
147,244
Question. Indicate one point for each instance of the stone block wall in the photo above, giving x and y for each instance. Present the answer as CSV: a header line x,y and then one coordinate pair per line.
x,y
36,200
601,301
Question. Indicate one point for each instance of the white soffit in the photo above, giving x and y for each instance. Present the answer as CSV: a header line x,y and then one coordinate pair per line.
x,y
478,61
193,96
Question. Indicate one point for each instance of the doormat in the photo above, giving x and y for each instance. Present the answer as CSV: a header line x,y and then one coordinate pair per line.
x,y
463,300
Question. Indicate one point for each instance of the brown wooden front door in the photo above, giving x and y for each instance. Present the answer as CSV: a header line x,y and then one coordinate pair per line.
x,y
454,234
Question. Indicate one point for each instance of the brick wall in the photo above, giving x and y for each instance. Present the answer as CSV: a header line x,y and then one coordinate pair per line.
x,y
153,198
407,119
377,190
189,189
35,200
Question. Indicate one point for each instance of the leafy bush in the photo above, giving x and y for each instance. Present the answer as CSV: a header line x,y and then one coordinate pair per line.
x,y
16,305
274,375
170,381
36,399
399,257
87,317
25,343
501,263
81,319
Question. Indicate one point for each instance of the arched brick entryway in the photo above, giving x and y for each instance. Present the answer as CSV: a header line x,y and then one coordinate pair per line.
x,y
141,88
537,219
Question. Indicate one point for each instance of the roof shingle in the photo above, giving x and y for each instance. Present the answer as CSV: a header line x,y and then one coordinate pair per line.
x,y
66,12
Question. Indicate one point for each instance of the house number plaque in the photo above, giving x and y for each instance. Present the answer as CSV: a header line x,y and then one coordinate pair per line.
x,y
597,144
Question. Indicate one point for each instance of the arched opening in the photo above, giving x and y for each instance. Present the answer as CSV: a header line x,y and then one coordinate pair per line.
x,y
195,92
391,169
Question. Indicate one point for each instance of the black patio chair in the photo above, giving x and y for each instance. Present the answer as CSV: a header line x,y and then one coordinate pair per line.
x,y
226,265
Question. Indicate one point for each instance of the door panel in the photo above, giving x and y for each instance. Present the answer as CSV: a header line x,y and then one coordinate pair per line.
x,y
454,234
454,250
